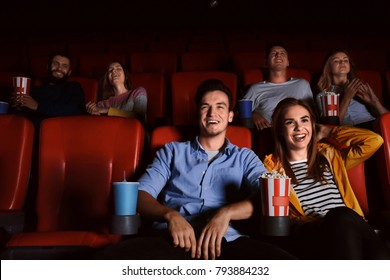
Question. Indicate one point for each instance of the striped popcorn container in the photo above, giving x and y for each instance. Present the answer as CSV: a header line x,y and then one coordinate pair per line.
x,y
329,102
21,85
274,194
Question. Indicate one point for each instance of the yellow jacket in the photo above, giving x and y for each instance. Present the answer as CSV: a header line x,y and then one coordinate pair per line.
x,y
345,148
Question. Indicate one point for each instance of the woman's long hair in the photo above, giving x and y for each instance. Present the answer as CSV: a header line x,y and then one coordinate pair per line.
x,y
106,89
325,81
314,159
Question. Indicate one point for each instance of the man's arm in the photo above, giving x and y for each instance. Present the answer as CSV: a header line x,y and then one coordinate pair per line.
x,y
182,232
259,121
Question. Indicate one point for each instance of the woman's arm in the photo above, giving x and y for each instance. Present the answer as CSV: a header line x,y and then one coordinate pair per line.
x,y
350,90
356,144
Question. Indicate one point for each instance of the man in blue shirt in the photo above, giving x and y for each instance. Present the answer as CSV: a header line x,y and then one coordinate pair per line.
x,y
194,191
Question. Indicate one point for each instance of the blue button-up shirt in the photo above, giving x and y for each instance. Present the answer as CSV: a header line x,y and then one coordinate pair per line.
x,y
182,179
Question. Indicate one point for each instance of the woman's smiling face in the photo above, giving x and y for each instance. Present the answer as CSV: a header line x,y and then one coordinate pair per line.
x,y
297,130
116,73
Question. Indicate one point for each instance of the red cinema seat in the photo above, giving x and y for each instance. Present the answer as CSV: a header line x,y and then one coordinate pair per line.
x,y
89,86
154,62
205,61
155,86
79,158
382,126
16,146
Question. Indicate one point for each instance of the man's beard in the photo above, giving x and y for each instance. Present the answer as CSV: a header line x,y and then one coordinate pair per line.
x,y
55,80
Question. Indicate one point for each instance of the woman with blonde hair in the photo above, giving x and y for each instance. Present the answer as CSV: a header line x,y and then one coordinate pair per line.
x,y
359,105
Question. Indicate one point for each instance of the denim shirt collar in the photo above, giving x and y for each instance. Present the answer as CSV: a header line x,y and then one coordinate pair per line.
x,y
197,148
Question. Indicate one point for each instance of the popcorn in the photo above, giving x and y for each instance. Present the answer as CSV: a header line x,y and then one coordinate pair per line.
x,y
274,174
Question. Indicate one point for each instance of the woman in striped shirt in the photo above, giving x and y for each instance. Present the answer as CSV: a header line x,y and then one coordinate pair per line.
x,y
327,221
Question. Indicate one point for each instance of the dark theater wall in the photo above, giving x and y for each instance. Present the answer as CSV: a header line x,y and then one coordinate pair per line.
x,y
45,15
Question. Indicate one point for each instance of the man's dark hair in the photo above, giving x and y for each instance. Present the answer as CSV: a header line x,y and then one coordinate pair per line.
x,y
272,44
212,85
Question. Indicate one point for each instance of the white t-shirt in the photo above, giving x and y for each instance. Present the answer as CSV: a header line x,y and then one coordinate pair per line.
x,y
265,95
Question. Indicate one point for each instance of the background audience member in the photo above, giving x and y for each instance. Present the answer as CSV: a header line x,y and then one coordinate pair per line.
x,y
117,97
194,191
327,221
56,96
267,94
359,105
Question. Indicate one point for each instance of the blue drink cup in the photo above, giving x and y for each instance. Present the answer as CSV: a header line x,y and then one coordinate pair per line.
x,y
125,198
3,107
245,110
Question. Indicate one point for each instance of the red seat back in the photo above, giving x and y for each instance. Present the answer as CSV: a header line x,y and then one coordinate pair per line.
x,y
16,144
95,65
357,179
80,157
374,79
89,86
248,60
252,76
382,126
206,61
154,62
155,86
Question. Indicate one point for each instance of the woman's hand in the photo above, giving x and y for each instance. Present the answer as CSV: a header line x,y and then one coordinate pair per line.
x,y
367,95
352,87
92,108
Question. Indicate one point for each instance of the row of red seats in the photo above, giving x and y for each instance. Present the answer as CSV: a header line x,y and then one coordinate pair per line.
x,y
177,102
74,204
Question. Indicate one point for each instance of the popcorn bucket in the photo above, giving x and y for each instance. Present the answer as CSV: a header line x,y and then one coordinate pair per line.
x,y
329,104
274,193
21,85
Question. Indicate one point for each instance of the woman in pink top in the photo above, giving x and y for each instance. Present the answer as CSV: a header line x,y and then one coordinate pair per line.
x,y
117,97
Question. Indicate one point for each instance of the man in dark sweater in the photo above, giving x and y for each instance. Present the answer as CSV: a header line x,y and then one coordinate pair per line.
x,y
56,96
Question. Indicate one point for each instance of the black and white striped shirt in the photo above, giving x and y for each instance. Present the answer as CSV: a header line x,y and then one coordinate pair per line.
x,y
316,197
